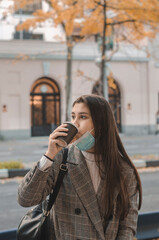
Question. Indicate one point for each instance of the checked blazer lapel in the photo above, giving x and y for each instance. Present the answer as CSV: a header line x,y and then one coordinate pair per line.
x,y
82,183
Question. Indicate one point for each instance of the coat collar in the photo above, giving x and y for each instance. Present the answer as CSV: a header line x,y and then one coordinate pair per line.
x,y
82,183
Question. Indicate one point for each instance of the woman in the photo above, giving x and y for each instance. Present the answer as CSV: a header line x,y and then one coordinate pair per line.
x,y
101,192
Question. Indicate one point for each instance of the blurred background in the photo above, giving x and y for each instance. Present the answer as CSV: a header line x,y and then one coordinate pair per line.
x,y
53,51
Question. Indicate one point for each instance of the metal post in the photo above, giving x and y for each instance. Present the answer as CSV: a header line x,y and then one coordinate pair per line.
x,y
69,79
106,82
21,32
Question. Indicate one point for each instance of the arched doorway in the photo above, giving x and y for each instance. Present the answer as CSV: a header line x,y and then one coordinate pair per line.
x,y
114,99
45,107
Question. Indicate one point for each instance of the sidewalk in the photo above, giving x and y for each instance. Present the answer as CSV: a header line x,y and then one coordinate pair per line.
x,y
143,150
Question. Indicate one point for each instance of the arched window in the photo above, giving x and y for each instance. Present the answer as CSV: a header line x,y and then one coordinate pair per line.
x,y
45,106
114,98
115,101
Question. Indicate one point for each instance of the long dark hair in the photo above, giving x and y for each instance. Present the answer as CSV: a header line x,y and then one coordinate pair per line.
x,y
109,147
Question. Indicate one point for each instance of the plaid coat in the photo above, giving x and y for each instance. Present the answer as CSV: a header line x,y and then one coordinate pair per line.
x,y
76,212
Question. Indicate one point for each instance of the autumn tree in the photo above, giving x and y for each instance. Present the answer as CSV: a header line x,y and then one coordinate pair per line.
x,y
117,21
65,13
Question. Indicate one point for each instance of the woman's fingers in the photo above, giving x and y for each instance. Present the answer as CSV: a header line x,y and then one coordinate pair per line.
x,y
55,143
60,143
58,134
59,131
62,127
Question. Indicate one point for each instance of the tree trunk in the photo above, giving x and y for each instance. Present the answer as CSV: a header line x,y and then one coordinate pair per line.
x,y
103,78
69,79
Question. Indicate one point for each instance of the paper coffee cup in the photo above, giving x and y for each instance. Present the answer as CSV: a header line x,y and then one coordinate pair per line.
x,y
72,131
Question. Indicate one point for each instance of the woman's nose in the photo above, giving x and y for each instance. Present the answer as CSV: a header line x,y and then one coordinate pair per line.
x,y
75,121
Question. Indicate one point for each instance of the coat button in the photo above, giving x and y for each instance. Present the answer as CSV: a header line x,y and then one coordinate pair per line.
x,y
77,211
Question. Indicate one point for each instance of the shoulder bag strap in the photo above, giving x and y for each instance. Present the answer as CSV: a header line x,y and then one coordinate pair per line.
x,y
63,170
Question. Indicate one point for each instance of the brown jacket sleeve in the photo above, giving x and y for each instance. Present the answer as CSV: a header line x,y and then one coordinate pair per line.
x,y
38,184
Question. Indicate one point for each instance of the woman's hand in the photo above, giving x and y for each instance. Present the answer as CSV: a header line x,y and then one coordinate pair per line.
x,y
55,144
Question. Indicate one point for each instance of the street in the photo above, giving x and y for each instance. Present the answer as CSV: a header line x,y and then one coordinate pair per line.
x,y
11,212
31,150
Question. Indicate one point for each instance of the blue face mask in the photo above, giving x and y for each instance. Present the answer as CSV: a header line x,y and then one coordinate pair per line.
x,y
85,142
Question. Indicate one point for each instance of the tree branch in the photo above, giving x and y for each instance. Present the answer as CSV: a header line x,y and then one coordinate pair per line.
x,y
128,9
121,22
100,4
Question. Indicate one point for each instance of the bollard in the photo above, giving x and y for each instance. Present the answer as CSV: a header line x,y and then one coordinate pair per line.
x,y
8,234
148,226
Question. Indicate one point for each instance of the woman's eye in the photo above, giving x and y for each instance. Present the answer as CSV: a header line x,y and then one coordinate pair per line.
x,y
73,117
83,117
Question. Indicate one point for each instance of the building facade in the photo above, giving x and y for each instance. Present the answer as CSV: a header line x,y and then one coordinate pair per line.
x,y
33,78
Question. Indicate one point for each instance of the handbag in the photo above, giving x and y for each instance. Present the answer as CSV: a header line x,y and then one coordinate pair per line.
x,y
33,226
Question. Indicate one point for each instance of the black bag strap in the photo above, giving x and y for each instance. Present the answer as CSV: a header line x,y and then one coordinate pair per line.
x,y
62,172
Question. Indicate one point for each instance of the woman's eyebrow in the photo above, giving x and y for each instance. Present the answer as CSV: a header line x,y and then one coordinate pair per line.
x,y
81,113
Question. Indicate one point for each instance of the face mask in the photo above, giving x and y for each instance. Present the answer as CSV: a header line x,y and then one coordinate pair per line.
x,y
85,142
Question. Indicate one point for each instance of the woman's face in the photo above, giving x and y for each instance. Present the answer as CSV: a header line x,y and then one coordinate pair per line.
x,y
81,117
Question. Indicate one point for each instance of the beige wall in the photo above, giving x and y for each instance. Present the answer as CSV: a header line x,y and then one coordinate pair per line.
x,y
132,81
138,83
154,90
17,81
